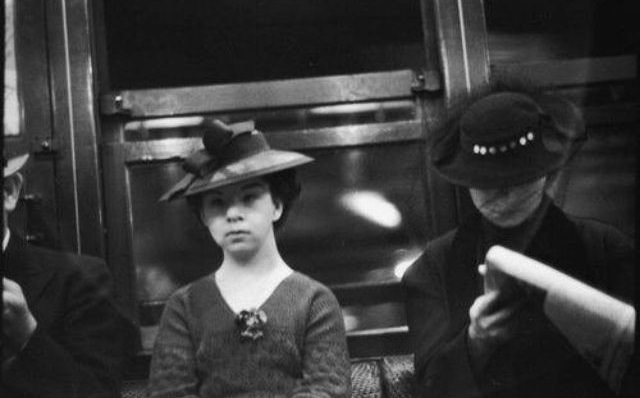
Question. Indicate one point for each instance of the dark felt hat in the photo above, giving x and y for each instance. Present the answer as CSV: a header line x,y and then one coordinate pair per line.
x,y
506,139
231,153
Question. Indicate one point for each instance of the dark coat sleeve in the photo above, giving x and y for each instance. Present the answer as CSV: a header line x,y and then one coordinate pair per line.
x,y
80,352
611,254
442,366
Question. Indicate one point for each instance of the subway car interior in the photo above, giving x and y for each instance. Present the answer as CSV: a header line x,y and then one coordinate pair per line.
x,y
113,95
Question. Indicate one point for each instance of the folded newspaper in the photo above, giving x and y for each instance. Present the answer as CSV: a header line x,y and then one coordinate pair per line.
x,y
600,327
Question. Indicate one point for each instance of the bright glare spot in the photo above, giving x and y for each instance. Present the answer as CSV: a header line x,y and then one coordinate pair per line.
x,y
350,321
343,109
401,268
165,123
405,262
373,207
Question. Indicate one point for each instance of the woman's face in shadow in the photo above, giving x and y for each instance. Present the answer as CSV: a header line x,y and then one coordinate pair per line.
x,y
240,217
508,207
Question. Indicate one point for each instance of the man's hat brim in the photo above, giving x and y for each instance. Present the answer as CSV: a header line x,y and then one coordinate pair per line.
x,y
14,164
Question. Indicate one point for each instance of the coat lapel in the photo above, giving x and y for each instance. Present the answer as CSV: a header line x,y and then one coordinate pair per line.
x,y
24,267
558,244
461,273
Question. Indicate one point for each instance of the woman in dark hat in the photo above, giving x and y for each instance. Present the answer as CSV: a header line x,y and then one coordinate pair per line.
x,y
505,148
254,327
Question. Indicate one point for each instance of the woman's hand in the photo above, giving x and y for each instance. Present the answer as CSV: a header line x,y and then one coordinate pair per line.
x,y
492,320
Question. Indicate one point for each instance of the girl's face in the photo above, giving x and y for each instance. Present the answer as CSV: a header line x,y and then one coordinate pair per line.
x,y
240,216
508,207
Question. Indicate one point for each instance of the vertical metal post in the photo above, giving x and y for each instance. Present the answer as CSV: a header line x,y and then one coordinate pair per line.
x,y
464,58
2,24
76,134
464,53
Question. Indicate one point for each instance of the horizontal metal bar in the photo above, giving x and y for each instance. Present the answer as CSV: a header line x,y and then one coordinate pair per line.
x,y
159,150
379,331
375,343
353,135
259,95
368,293
571,71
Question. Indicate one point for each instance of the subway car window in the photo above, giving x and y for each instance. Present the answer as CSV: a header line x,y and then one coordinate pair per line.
x,y
168,43
357,220
360,219
534,30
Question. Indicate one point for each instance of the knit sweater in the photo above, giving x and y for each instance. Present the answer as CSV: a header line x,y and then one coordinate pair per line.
x,y
303,353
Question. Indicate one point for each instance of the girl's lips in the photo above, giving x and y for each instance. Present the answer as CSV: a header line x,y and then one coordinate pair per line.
x,y
237,233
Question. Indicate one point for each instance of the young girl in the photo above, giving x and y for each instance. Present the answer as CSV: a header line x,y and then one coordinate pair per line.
x,y
254,327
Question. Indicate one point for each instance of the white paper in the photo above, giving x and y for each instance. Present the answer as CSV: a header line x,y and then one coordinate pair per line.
x,y
600,327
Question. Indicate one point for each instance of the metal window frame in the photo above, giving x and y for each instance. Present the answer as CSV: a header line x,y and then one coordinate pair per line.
x,y
313,91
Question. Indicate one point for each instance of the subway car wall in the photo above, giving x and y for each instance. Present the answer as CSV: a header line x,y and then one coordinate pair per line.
x,y
356,84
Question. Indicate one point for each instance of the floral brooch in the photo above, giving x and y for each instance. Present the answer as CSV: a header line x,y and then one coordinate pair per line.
x,y
251,323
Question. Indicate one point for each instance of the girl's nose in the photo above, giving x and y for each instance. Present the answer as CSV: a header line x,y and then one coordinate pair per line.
x,y
234,212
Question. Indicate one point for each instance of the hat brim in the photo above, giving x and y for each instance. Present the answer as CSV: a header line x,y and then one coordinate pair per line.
x,y
500,170
566,133
14,164
257,165
472,171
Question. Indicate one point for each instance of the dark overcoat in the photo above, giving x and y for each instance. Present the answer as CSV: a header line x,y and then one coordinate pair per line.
x,y
78,347
443,283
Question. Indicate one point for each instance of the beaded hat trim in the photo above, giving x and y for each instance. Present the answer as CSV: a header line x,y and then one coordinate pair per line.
x,y
505,146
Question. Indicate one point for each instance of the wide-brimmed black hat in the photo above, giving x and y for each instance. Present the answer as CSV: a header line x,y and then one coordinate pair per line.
x,y
506,139
231,153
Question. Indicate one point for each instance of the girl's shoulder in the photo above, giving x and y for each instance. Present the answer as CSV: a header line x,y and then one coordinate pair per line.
x,y
306,288
203,285
302,281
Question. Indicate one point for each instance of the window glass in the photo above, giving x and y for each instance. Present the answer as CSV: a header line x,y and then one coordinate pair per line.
x,y
529,30
600,182
161,43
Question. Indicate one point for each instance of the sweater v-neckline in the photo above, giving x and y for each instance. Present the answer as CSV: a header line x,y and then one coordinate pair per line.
x,y
228,307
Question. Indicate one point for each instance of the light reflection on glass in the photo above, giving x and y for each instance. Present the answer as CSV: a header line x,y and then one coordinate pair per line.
x,y
405,259
373,207
164,123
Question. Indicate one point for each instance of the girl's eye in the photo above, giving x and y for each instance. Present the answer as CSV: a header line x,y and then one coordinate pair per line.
x,y
215,202
250,197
